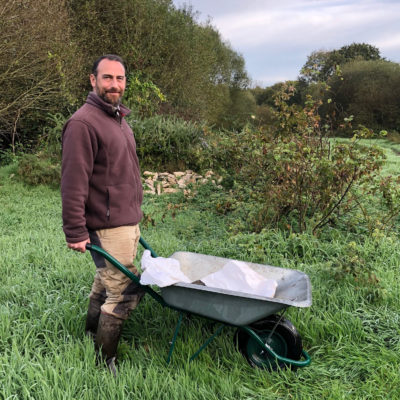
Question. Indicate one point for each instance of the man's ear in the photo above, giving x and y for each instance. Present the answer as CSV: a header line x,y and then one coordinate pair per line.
x,y
93,80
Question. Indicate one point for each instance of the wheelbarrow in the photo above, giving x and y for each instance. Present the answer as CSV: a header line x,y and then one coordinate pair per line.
x,y
263,335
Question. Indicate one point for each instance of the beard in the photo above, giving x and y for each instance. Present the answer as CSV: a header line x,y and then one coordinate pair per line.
x,y
112,96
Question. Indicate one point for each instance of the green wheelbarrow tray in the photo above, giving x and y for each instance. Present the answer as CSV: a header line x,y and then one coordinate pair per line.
x,y
263,348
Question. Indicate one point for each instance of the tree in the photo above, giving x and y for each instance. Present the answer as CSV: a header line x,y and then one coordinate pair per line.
x,y
321,64
189,62
359,51
369,91
34,34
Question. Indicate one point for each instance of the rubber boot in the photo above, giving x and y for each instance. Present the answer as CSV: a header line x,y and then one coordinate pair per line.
x,y
107,338
92,318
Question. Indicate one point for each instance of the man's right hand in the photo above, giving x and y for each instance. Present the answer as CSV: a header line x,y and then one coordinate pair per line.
x,y
81,246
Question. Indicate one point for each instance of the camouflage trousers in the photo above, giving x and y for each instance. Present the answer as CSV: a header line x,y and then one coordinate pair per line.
x,y
119,293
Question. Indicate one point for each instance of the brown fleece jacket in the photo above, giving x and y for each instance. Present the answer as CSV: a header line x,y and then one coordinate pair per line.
x,y
100,179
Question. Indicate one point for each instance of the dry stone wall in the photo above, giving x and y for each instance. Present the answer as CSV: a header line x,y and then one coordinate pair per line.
x,y
158,183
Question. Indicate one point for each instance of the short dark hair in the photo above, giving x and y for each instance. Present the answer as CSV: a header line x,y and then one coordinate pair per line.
x,y
111,57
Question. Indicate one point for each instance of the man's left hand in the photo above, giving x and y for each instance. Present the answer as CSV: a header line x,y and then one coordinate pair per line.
x,y
81,246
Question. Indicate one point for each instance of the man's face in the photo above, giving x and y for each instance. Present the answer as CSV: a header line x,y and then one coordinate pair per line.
x,y
110,81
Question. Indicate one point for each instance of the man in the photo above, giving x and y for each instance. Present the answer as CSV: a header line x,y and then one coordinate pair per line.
x,y
101,197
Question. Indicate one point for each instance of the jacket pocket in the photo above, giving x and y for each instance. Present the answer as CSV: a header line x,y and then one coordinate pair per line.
x,y
108,205
122,207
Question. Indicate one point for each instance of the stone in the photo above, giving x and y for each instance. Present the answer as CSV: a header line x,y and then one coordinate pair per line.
x,y
165,182
172,180
182,183
149,173
171,190
149,182
158,188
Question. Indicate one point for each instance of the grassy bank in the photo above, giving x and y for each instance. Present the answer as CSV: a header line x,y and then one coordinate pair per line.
x,y
352,330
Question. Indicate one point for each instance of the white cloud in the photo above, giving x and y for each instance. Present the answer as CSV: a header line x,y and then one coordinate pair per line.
x,y
296,25
270,79
389,42
275,37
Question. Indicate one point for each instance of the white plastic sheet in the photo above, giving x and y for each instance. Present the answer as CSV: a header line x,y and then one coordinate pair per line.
x,y
239,277
161,271
234,275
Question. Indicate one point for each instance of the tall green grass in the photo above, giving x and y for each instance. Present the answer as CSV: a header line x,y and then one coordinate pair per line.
x,y
352,330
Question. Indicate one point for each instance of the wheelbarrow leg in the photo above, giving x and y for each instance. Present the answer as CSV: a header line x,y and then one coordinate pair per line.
x,y
207,342
171,348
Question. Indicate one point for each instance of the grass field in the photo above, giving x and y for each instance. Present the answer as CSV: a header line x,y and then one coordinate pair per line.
x,y
352,330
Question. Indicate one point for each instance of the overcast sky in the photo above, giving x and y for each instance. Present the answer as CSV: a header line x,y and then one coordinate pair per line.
x,y
276,36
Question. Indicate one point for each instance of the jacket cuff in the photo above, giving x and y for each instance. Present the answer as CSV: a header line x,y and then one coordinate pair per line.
x,y
77,237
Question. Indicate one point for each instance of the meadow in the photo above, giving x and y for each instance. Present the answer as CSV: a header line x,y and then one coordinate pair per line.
x,y
351,331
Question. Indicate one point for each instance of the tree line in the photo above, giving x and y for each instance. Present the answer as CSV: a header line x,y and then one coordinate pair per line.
x,y
48,48
175,65
354,82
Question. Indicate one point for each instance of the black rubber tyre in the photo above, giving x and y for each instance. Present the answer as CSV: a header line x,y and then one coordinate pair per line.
x,y
285,341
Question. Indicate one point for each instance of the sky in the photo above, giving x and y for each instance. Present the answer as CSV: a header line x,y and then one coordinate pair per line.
x,y
275,37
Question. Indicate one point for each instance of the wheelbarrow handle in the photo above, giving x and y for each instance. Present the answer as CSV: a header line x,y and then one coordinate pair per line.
x,y
147,247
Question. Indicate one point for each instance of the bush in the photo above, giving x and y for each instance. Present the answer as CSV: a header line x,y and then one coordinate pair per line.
x,y
142,95
50,140
368,90
168,143
36,169
43,166
292,175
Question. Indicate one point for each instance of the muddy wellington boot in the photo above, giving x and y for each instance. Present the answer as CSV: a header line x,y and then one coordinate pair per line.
x,y
107,338
92,318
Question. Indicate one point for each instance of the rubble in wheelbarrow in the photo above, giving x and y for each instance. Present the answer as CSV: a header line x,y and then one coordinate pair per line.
x,y
158,183
235,276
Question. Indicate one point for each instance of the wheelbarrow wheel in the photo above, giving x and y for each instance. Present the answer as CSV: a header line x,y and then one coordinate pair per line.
x,y
284,340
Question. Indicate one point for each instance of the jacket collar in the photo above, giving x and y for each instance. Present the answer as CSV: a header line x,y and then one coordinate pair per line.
x,y
97,101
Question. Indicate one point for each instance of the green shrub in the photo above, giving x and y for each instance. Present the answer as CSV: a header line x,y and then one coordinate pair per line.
x,y
8,156
142,95
293,176
368,90
36,169
50,140
43,165
168,143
